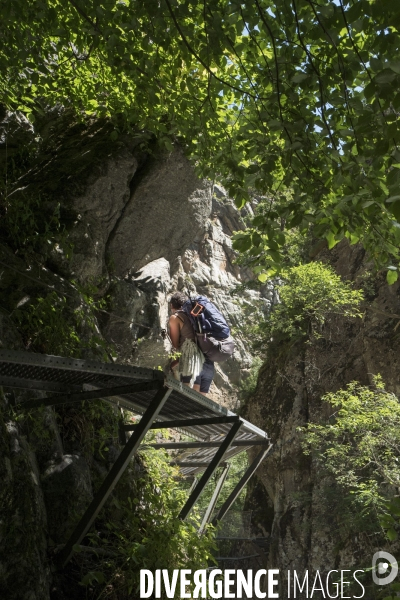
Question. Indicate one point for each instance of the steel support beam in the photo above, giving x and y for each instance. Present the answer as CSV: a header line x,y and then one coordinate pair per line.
x,y
188,422
240,485
114,474
194,483
120,390
36,384
180,460
188,464
121,432
219,455
214,498
213,444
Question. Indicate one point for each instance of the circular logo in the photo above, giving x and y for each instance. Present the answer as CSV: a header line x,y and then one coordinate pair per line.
x,y
384,568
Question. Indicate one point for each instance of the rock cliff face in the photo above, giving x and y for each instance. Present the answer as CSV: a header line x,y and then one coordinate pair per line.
x,y
141,226
147,232
305,528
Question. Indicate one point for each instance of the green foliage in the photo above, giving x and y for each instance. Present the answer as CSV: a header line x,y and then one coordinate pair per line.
x,y
24,226
359,448
238,465
143,531
265,95
49,325
92,426
30,223
248,385
266,241
44,326
310,293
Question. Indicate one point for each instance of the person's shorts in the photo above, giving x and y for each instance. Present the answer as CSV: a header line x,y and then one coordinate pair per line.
x,y
205,378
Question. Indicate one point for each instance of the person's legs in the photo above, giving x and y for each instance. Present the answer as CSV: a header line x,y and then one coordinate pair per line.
x,y
186,380
202,383
175,371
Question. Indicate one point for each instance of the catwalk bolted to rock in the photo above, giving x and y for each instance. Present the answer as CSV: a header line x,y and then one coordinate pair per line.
x,y
140,225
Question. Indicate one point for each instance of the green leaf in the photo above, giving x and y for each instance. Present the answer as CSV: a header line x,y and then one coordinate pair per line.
x,y
395,66
330,237
391,278
395,209
296,145
256,239
369,90
242,242
354,239
259,221
385,77
395,587
300,77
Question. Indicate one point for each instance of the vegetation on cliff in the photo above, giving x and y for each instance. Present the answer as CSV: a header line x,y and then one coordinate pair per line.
x,y
140,530
293,101
309,295
357,450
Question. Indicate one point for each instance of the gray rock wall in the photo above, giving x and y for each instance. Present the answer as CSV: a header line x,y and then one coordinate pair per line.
x,y
288,494
147,232
141,227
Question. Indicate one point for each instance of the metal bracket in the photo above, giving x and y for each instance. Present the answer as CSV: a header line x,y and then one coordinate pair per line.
x,y
212,444
240,485
114,475
142,386
210,470
182,423
214,498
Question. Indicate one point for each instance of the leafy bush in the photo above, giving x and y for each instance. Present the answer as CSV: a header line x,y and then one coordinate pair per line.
x,y
141,529
309,293
248,385
359,447
29,226
49,324
30,219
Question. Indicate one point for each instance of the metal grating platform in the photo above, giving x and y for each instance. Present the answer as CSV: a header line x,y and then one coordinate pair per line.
x,y
65,375
217,433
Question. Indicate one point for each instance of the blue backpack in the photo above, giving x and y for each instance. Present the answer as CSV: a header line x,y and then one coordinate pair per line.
x,y
208,319
212,331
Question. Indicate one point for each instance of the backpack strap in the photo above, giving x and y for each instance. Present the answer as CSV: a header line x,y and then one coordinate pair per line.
x,y
180,317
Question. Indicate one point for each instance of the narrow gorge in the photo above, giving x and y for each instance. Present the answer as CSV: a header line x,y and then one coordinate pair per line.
x,y
106,230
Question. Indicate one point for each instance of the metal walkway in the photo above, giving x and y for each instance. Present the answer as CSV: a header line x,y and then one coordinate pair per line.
x,y
218,434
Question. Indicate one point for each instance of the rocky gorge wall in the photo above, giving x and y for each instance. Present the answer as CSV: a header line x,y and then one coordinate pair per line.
x,y
292,501
163,232
140,225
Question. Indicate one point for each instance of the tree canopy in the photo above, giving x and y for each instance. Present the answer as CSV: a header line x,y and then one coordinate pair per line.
x,y
266,96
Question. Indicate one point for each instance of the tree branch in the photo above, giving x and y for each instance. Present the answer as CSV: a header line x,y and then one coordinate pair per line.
x,y
197,57
316,71
85,16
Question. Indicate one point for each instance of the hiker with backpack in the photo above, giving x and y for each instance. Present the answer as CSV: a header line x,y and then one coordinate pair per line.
x,y
198,321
